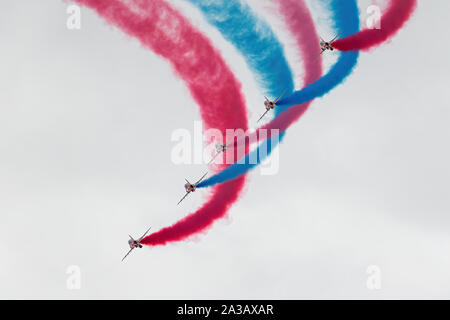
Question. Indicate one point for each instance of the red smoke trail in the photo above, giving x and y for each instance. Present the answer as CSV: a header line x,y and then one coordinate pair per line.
x,y
301,25
162,29
396,15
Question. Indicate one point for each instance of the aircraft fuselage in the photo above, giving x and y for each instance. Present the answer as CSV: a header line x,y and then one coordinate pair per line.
x,y
269,105
221,148
326,46
189,187
134,244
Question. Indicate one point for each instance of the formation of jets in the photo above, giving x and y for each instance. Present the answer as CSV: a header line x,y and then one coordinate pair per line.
x,y
324,46
222,148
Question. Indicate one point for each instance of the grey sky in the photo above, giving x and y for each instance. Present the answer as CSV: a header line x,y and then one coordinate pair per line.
x,y
85,128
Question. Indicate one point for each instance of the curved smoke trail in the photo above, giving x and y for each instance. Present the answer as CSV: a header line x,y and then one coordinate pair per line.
x,y
210,82
254,39
346,19
396,15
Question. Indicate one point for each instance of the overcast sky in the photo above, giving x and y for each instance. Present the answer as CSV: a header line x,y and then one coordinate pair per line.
x,y
86,119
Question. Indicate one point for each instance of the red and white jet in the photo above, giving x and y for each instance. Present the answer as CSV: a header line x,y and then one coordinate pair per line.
x,y
324,45
221,148
270,104
133,243
191,187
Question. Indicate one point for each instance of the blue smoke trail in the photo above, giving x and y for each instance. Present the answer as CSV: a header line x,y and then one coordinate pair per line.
x,y
346,17
254,39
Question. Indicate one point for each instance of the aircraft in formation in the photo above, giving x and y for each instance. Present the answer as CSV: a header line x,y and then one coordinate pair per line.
x,y
191,187
324,46
221,148
135,243
270,104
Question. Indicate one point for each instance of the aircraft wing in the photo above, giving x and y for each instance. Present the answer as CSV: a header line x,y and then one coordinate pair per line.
x,y
280,96
201,179
230,141
319,55
127,253
215,156
263,115
183,198
144,234
334,39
